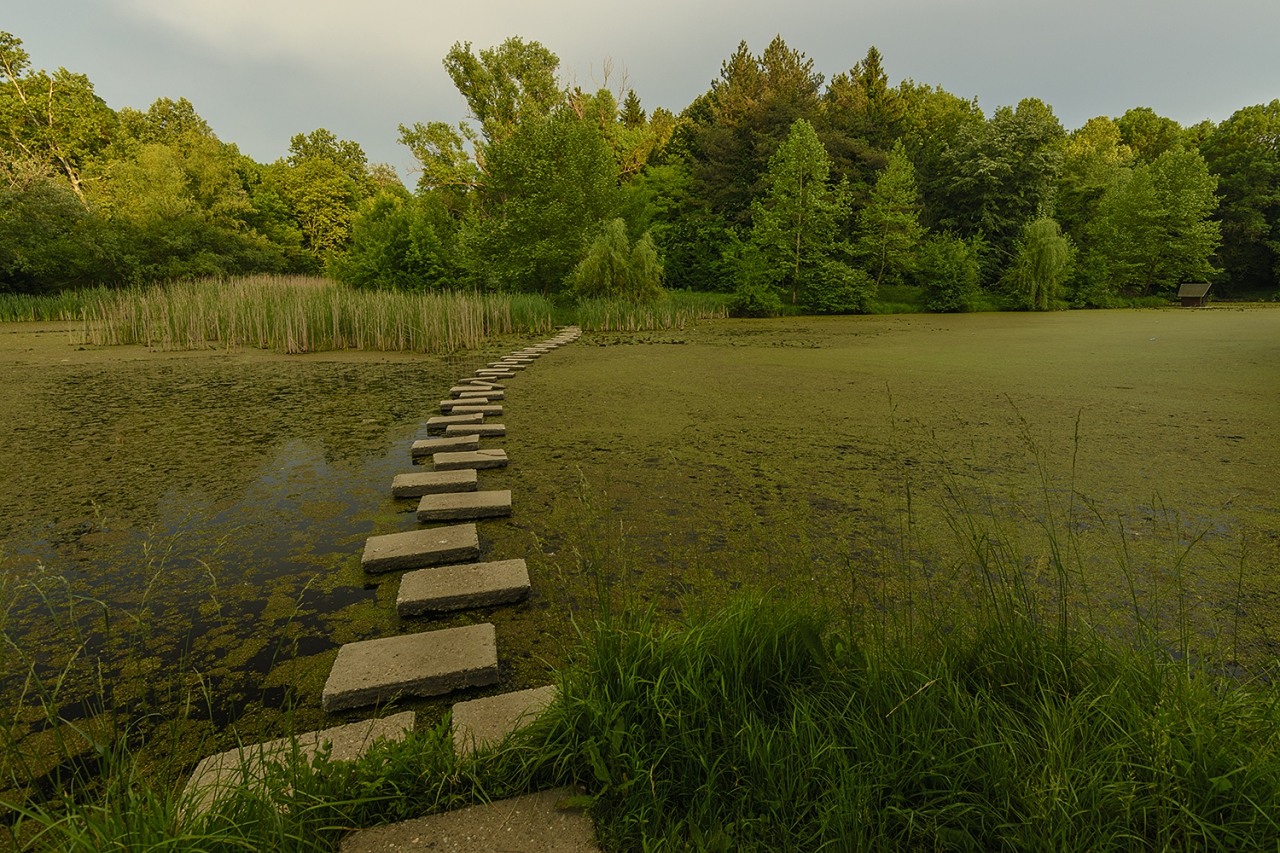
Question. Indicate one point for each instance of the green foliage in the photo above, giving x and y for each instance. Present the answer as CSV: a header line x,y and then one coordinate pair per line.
x,y
796,220
1244,153
505,86
1043,260
399,241
1148,134
1153,230
1093,158
47,238
549,183
614,269
889,226
950,272
837,288
755,300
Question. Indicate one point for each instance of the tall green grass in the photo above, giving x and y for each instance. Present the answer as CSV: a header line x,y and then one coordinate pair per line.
x,y
65,305
674,310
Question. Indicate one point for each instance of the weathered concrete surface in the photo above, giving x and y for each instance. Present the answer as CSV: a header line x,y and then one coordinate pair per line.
x,y
485,722
440,422
465,407
483,383
482,430
432,483
459,390
448,406
494,373
427,664
482,393
415,549
507,365
490,457
530,824
464,506
430,446
248,764
458,587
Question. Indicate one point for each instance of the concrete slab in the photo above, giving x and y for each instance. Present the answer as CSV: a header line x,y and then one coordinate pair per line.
x,y
482,430
482,394
464,506
249,764
440,422
432,483
447,406
427,664
466,408
513,366
459,587
534,823
481,723
415,549
484,383
430,446
490,457
457,390
494,373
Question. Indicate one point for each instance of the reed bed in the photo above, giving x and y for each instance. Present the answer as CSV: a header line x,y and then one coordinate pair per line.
x,y
299,314
675,310
65,305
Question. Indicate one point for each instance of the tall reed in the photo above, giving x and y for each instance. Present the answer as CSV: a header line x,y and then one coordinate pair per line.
x,y
297,314
674,310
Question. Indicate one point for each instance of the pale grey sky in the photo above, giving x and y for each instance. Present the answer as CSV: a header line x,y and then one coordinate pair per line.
x,y
262,70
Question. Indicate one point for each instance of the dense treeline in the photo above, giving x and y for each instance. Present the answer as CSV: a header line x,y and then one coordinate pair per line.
x,y
776,184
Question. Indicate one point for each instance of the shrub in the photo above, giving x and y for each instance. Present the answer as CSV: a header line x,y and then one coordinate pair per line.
x,y
837,288
950,273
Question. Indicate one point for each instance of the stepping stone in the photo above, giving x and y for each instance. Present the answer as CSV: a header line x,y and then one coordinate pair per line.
x,y
481,723
483,383
481,395
490,457
482,430
432,483
427,664
477,408
533,823
248,764
513,366
464,506
447,405
458,390
415,549
459,587
431,446
441,422
500,374
518,359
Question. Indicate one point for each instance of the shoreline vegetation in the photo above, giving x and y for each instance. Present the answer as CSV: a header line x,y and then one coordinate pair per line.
x,y
972,708
298,314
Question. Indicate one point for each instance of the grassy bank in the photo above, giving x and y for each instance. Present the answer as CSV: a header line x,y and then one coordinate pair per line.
x,y
676,309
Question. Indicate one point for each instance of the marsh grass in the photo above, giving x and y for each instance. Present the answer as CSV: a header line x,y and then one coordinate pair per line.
x,y
675,309
292,314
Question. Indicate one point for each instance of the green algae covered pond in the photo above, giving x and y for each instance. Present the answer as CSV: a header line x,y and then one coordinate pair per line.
x,y
194,520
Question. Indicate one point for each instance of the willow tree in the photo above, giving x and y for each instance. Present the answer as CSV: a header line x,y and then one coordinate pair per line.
x,y
1043,259
614,268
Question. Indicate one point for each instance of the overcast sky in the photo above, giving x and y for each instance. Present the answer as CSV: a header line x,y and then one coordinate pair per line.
x,y
262,70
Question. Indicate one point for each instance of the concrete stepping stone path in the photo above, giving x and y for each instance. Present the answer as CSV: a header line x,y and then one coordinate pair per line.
x,y
441,422
533,823
416,549
464,506
431,446
458,587
432,483
248,764
481,723
430,663
447,406
483,383
481,393
482,430
490,457
465,407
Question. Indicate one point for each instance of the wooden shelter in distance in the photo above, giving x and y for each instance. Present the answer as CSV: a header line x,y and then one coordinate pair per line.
x,y
1193,294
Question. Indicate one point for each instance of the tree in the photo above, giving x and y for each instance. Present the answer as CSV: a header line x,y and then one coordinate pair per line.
x,y
401,242
1153,229
613,268
1002,173
348,156
1147,134
1042,263
1093,158
889,226
1244,153
506,85
796,220
52,118
950,273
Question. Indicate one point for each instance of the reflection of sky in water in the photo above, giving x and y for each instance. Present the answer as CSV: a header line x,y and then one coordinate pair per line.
x,y
224,506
